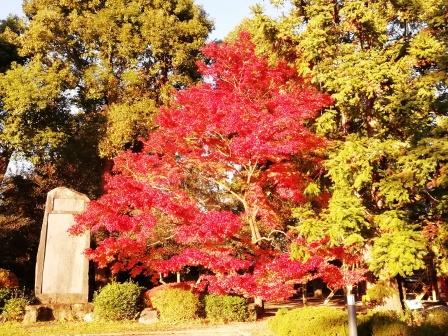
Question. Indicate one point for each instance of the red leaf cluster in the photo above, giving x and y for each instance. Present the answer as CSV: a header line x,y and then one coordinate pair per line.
x,y
215,177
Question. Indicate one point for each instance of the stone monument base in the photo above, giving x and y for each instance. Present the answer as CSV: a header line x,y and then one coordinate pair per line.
x,y
56,312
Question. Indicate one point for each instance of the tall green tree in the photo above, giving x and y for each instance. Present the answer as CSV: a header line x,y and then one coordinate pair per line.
x,y
385,63
97,71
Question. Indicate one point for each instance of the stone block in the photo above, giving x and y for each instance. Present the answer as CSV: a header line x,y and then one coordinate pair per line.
x,y
37,313
80,310
148,316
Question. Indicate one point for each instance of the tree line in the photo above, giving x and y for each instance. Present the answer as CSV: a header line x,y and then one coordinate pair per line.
x,y
87,82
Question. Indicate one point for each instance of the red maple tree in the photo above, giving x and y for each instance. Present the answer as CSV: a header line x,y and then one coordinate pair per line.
x,y
214,184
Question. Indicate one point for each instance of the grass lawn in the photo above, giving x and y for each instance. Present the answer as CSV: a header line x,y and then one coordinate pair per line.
x,y
79,328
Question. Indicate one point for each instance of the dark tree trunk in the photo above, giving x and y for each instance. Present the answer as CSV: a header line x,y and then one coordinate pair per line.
x,y
400,290
5,158
433,277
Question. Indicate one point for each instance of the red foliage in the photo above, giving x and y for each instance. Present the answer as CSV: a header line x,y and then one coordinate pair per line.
x,y
214,179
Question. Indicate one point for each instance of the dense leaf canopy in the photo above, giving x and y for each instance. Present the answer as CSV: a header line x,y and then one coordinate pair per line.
x,y
213,184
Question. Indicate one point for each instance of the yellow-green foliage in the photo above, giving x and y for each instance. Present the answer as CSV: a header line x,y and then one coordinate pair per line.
x,y
331,321
14,309
387,323
226,308
437,317
378,292
126,121
117,301
384,63
323,321
95,73
176,304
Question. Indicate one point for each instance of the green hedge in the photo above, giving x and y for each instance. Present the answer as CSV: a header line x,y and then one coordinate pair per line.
x,y
117,301
226,308
176,304
309,321
326,321
382,324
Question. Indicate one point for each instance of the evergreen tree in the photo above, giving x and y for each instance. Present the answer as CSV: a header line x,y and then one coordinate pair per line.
x,y
385,64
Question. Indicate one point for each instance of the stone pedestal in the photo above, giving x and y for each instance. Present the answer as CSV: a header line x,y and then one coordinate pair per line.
x,y
148,316
58,312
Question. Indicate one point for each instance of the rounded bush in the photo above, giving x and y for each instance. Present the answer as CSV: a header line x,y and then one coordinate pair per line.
x,y
176,304
117,301
14,309
383,325
310,321
226,308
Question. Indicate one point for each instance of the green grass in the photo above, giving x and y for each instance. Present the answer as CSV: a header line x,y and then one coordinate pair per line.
x,y
79,328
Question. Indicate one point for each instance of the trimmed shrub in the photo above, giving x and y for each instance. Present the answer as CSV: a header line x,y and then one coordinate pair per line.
x,y
176,304
226,308
383,323
310,321
117,301
389,325
14,309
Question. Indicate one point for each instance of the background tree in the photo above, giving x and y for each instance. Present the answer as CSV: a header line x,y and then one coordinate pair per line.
x,y
8,55
211,187
385,64
89,77
96,73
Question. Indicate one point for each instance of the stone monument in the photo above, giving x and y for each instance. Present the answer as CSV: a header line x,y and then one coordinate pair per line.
x,y
62,270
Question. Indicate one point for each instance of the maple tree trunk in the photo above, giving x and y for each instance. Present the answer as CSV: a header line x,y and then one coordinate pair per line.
x,y
255,232
304,300
327,300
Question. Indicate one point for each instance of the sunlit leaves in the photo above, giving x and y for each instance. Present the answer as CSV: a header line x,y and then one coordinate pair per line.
x,y
212,185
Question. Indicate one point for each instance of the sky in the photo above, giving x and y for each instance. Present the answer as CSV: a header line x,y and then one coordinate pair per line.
x,y
225,13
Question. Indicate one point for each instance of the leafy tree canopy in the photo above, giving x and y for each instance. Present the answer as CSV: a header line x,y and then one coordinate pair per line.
x,y
214,183
385,64
97,71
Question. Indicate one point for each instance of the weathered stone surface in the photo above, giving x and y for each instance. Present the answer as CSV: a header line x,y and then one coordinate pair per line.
x,y
63,312
148,316
61,267
30,315
80,310
36,313
58,312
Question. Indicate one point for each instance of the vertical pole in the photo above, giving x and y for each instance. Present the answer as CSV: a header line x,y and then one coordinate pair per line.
x,y
351,310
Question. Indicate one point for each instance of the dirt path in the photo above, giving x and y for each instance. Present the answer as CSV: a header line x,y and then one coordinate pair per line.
x,y
231,329
258,328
